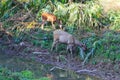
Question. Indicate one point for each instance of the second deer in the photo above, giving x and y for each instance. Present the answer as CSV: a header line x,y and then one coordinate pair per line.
x,y
50,18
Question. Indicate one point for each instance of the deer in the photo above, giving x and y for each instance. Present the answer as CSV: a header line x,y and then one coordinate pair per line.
x,y
60,36
50,18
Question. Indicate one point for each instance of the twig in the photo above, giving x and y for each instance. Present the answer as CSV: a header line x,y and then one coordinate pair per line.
x,y
29,11
31,36
23,18
85,70
41,53
10,10
3,30
55,67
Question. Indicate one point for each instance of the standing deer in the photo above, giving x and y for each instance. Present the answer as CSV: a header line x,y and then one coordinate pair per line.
x,y
51,18
60,36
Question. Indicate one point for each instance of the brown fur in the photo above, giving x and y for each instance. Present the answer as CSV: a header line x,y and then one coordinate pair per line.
x,y
51,18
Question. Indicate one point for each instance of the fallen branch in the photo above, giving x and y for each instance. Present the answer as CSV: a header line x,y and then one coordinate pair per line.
x,y
40,53
85,70
55,67
3,31
21,18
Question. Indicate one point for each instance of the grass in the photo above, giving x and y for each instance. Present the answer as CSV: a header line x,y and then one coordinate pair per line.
x,y
109,49
6,74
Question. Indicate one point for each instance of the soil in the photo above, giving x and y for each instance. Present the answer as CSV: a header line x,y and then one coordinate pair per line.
x,y
104,71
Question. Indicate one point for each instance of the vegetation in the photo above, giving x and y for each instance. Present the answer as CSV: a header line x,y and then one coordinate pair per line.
x,y
20,20
6,74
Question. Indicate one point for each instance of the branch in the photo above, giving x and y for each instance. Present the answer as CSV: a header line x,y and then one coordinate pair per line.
x,y
55,67
85,70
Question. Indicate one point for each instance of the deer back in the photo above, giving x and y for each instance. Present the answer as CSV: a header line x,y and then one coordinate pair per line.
x,y
49,17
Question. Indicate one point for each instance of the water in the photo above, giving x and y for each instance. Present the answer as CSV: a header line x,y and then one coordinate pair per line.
x,y
15,63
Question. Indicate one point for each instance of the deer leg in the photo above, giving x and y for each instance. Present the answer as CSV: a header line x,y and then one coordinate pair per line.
x,y
42,25
67,49
53,25
54,45
70,49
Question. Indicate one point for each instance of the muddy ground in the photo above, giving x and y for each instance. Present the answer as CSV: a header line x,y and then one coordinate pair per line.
x,y
104,71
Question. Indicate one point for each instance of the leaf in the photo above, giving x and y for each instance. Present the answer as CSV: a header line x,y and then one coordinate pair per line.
x,y
73,11
81,53
88,55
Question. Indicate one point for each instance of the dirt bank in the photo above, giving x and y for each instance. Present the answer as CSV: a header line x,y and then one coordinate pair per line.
x,y
106,71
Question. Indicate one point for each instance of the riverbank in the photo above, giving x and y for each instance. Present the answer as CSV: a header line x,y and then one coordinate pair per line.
x,y
102,70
